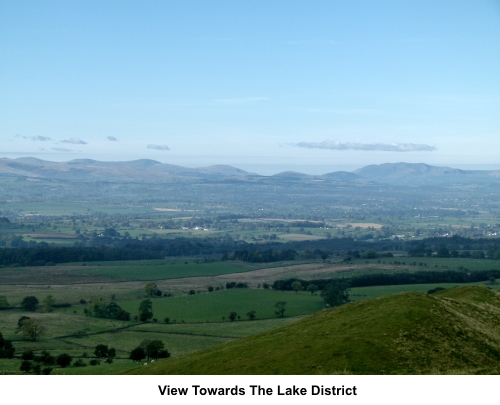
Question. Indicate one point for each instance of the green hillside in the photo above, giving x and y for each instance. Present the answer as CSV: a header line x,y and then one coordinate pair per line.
x,y
455,331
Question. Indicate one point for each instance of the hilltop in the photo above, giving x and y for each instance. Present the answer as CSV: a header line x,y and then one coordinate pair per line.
x,y
146,170
424,174
455,331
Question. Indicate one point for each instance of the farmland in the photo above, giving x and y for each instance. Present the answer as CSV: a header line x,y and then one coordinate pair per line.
x,y
213,249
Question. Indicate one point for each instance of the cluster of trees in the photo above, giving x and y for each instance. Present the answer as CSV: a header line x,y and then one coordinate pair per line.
x,y
423,277
111,310
102,351
263,256
149,349
380,279
44,359
152,290
233,284
33,364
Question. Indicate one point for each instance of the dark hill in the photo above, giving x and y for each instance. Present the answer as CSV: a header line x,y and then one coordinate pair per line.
x,y
410,333
143,170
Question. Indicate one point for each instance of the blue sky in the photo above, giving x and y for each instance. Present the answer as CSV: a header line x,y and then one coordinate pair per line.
x,y
314,85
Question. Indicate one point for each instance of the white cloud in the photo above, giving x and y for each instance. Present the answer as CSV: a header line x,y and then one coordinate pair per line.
x,y
112,138
76,141
158,147
389,147
62,150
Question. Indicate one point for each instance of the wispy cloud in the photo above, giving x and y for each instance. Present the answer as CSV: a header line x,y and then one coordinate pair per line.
x,y
40,138
112,138
240,100
388,147
75,141
34,138
62,150
158,147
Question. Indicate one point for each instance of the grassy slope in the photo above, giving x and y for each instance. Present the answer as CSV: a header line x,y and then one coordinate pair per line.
x,y
457,331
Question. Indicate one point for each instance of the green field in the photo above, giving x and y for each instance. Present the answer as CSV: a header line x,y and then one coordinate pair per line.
x,y
211,307
168,271
410,333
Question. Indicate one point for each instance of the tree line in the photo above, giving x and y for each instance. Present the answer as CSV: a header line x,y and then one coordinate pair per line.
x,y
381,279
42,254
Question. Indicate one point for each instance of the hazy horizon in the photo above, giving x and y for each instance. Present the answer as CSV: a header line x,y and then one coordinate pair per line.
x,y
268,169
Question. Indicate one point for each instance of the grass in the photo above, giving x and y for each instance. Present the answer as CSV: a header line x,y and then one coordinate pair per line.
x,y
169,271
410,333
363,293
211,307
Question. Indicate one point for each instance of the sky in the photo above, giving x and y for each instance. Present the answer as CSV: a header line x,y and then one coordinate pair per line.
x,y
265,85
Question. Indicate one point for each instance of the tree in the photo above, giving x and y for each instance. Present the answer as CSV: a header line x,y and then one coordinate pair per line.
x,y
30,303
232,316
64,360
312,288
26,366
20,322
280,308
137,354
370,254
150,289
336,293
6,348
251,315
297,286
32,329
3,302
101,351
145,310
443,252
28,355
111,353
48,303
154,349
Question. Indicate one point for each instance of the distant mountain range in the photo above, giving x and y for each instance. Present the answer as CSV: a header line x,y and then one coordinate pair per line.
x,y
146,170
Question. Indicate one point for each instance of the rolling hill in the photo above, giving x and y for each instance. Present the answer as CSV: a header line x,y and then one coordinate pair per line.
x,y
455,331
147,170
423,174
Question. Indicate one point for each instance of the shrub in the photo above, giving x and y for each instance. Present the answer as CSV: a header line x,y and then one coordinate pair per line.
x,y
79,363
30,303
28,355
26,366
64,360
